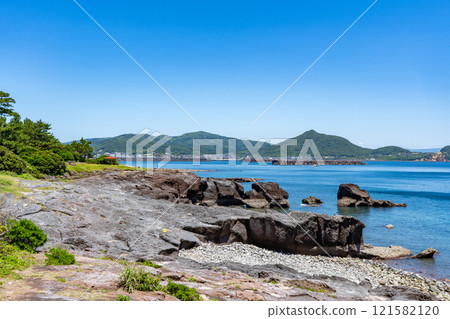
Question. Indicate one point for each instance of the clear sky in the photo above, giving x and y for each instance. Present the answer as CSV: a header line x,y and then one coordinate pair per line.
x,y
385,82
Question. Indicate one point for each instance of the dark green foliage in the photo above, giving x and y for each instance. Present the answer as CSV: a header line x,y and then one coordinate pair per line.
x,y
182,292
25,235
46,162
6,104
107,161
123,298
139,279
65,152
34,144
59,256
82,149
11,162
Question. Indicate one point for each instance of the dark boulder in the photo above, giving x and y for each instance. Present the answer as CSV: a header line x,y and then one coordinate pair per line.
x,y
219,192
266,195
311,200
300,233
350,195
427,253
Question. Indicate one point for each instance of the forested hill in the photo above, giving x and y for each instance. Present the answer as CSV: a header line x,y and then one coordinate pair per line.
x,y
446,152
328,145
180,145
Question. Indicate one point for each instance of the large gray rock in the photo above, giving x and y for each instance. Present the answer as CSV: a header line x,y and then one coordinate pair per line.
x,y
350,195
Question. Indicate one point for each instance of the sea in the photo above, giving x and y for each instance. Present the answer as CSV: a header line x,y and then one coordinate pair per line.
x,y
423,186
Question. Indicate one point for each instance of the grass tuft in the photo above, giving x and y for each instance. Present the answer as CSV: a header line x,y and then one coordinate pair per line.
x,y
86,167
10,183
138,279
13,259
59,256
123,298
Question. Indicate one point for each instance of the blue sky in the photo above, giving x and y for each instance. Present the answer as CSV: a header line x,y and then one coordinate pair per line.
x,y
386,82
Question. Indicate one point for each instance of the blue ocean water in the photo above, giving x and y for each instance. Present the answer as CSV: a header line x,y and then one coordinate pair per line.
x,y
423,186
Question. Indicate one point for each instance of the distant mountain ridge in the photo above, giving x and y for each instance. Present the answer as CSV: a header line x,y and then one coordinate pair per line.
x,y
446,152
180,145
328,145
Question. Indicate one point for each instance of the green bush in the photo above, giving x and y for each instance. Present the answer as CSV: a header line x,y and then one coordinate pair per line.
x,y
46,162
25,235
59,256
139,279
11,162
106,161
123,298
182,292
12,259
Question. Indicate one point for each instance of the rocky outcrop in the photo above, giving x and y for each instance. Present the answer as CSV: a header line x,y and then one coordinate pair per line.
x,y
266,195
300,233
188,188
219,192
350,195
311,200
427,253
108,213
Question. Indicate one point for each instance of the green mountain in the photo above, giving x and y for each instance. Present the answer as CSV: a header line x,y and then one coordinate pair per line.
x,y
329,146
390,150
180,145
446,152
110,144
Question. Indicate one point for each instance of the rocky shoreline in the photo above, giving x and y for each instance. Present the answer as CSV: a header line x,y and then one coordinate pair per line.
x,y
137,216
359,271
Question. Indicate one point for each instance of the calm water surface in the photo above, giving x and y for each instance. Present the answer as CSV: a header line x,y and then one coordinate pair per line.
x,y
424,187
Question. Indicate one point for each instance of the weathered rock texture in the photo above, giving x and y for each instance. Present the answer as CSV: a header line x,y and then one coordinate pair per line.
x,y
95,279
266,195
311,200
117,214
427,253
350,195
205,192
306,233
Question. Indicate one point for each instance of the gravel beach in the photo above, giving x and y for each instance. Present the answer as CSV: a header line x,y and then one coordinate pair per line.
x,y
353,269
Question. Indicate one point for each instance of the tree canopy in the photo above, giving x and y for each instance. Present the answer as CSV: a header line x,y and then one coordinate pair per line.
x,y
29,146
